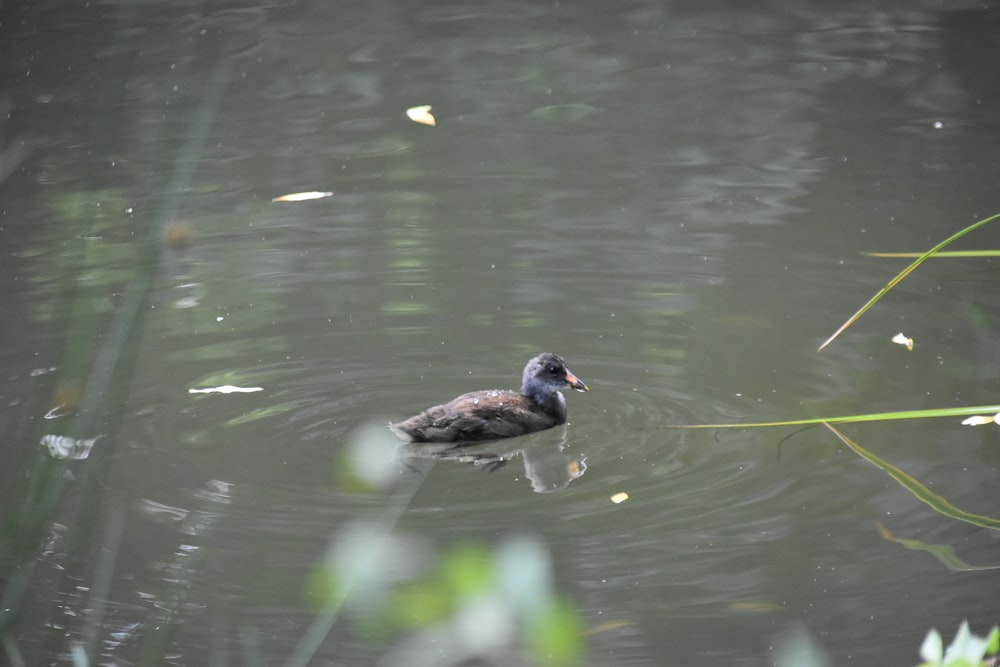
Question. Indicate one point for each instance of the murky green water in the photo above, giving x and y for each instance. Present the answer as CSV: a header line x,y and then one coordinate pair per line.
x,y
675,199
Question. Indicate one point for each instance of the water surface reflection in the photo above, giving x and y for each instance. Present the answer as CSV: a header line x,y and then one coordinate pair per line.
x,y
674,197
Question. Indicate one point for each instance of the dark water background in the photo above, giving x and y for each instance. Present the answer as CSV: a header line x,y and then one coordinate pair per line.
x,y
673,196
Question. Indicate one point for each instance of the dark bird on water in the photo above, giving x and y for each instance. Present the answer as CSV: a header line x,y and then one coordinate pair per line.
x,y
495,414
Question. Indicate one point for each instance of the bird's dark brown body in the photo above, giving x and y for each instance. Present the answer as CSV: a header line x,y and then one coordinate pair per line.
x,y
495,414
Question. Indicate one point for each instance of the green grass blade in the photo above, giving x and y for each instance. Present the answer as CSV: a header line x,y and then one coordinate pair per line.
x,y
902,274
851,419
937,255
920,492
944,553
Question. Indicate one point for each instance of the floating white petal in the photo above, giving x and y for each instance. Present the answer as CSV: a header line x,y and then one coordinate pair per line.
x,y
421,114
303,196
977,420
901,339
225,389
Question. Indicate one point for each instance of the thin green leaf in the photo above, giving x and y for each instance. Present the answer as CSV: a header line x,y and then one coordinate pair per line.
x,y
943,552
921,492
902,274
851,419
993,641
938,255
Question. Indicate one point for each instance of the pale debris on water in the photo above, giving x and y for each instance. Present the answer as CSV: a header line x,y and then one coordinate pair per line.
x,y
225,389
902,339
58,411
619,498
978,420
303,196
421,114
61,447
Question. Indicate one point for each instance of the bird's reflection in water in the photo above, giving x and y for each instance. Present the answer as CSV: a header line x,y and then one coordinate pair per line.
x,y
547,465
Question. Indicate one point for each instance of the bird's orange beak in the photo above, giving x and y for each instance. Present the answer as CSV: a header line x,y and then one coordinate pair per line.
x,y
575,382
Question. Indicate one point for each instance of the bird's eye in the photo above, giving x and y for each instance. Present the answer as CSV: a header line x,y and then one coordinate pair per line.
x,y
553,370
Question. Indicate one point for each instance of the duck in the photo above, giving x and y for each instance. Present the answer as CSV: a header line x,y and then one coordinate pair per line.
x,y
495,414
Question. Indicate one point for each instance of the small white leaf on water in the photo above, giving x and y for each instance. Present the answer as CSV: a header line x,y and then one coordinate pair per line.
x,y
421,114
902,339
977,420
302,196
225,389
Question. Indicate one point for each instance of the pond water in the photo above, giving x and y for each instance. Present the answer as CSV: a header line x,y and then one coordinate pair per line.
x,y
676,197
